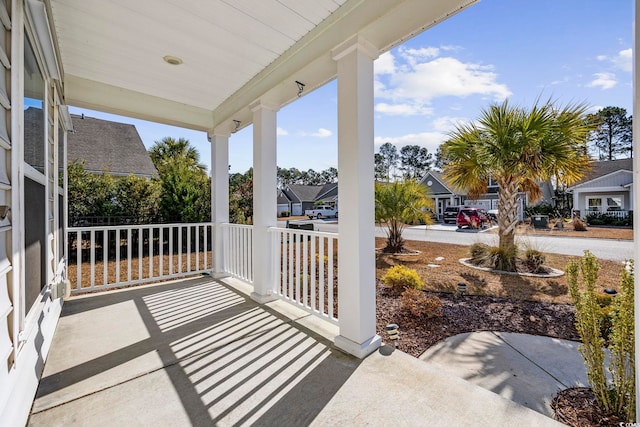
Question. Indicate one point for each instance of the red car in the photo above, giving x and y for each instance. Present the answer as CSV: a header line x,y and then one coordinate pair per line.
x,y
473,218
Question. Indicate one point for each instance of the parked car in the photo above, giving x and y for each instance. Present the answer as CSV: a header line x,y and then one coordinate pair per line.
x,y
450,214
473,218
322,211
493,214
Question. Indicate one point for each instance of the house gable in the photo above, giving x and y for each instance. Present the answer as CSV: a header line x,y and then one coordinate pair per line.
x,y
121,151
437,186
620,178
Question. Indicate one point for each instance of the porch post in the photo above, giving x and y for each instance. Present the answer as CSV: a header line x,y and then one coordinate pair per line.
x,y
219,195
265,208
356,248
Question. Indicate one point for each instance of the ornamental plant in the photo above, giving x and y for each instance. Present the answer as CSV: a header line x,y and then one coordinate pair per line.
x,y
616,396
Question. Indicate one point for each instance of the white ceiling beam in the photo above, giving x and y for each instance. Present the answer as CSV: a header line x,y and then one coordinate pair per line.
x,y
90,94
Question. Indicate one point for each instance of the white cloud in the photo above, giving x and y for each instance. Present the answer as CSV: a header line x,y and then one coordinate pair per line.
x,y
601,57
281,132
623,60
408,87
385,64
403,109
320,133
447,124
604,81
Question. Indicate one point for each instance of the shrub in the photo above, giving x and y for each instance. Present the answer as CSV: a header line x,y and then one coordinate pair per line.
x,y
419,304
617,396
579,225
534,259
285,214
400,278
478,251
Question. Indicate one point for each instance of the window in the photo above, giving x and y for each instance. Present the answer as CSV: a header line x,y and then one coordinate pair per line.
x,y
594,204
33,110
614,203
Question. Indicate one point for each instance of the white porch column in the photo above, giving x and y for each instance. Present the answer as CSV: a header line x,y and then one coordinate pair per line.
x,y
356,248
265,208
219,195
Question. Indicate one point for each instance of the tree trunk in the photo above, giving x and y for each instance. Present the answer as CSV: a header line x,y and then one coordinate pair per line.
x,y
395,242
507,213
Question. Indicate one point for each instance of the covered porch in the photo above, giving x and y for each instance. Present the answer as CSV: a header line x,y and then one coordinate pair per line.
x,y
202,352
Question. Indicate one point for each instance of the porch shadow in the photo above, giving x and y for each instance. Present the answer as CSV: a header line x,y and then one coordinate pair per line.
x,y
228,361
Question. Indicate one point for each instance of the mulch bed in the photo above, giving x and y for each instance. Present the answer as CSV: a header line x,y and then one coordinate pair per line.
x,y
473,313
577,407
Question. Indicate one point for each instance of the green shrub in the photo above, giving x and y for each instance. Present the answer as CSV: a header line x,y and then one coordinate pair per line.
x,y
503,258
419,304
534,259
400,278
478,251
592,311
285,214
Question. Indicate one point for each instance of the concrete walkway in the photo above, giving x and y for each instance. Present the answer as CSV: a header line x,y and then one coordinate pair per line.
x,y
199,352
527,369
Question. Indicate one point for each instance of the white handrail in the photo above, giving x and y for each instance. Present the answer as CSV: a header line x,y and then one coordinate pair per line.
x,y
143,249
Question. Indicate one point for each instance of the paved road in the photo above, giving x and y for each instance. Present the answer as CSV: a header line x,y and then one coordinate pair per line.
x,y
617,250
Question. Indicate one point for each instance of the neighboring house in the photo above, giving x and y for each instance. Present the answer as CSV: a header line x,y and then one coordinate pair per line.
x,y
444,195
121,151
284,204
607,188
303,197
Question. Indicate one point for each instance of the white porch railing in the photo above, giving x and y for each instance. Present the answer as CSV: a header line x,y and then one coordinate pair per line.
x,y
306,270
118,256
237,249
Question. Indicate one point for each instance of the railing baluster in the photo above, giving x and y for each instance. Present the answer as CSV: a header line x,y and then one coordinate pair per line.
x,y
140,251
188,248
92,248
160,252
117,255
79,260
180,249
314,263
291,265
206,252
197,247
305,270
105,258
321,278
129,254
296,291
330,279
170,250
150,245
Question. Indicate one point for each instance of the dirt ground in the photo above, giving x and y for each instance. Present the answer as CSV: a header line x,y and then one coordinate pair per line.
x,y
438,265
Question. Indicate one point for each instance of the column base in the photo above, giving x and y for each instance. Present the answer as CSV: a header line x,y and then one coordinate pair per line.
x,y
262,299
358,350
219,275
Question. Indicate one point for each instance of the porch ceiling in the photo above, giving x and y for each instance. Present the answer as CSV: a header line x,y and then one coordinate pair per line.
x,y
233,51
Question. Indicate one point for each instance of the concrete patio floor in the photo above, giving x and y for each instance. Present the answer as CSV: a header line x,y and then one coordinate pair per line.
x,y
200,352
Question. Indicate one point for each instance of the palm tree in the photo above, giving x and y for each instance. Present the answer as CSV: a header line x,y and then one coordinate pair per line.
x,y
171,151
517,148
400,203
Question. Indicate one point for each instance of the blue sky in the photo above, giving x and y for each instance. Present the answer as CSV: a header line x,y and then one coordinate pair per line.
x,y
569,50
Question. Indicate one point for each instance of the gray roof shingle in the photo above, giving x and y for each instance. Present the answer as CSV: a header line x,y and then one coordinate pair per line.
x,y
109,146
103,145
